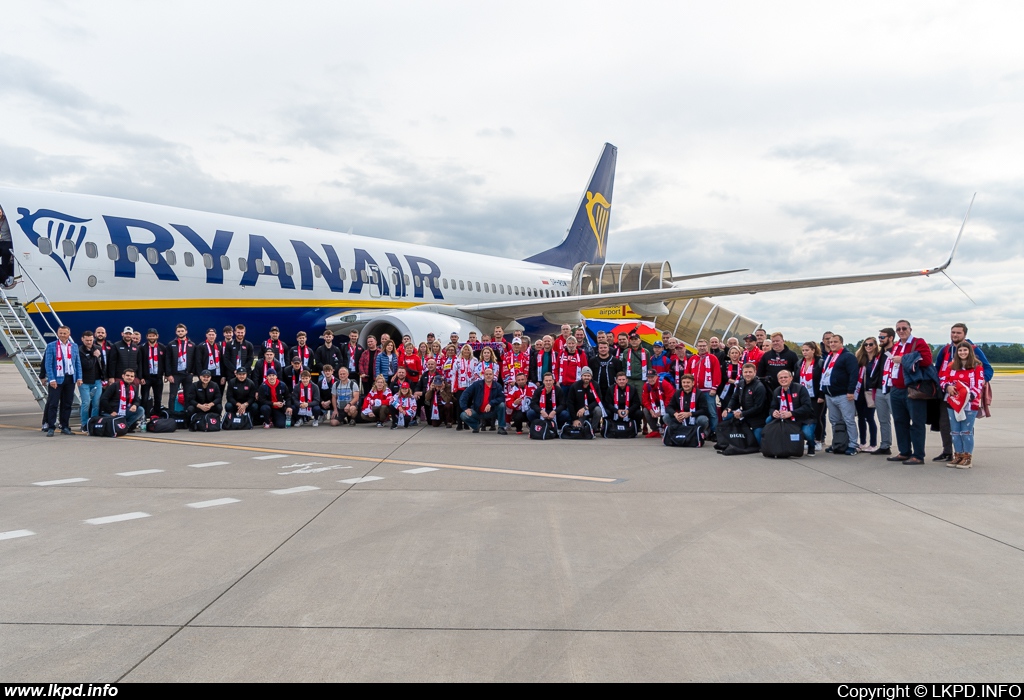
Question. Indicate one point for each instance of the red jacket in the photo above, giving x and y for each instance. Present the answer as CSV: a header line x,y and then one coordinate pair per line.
x,y
973,378
569,366
655,396
706,371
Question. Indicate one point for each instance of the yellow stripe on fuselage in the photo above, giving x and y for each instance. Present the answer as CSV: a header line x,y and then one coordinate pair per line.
x,y
138,304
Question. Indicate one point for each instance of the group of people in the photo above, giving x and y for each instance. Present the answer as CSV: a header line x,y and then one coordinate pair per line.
x,y
495,382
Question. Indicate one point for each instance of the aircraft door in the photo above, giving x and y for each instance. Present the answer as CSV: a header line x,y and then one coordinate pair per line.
x,y
376,282
396,281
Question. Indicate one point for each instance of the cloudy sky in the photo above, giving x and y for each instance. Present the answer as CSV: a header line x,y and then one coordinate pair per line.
x,y
796,139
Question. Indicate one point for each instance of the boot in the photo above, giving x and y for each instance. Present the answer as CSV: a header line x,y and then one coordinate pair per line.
x,y
965,462
957,456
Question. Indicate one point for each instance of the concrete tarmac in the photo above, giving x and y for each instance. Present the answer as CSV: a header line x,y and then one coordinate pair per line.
x,y
424,554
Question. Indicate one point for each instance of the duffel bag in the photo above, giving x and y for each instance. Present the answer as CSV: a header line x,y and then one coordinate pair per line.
x,y
162,425
238,422
617,429
107,426
739,439
205,423
684,435
782,439
583,432
541,429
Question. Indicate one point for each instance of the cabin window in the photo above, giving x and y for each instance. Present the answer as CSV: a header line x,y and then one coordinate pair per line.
x,y
288,269
316,271
394,278
171,258
260,266
355,276
225,262
45,246
341,274
152,256
68,248
416,280
243,264
407,281
207,261
517,290
462,285
133,254
91,250
274,268
362,276
501,288
444,282
188,259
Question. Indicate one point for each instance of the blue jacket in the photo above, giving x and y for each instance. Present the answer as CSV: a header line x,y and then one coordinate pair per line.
x,y
915,371
473,396
50,362
386,365
843,379
941,355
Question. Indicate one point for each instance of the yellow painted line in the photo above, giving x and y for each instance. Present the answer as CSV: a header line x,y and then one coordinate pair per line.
x,y
120,304
458,467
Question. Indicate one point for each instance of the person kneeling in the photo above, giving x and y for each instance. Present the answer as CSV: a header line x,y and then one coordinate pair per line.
x,y
687,407
306,400
122,399
484,400
203,398
584,405
403,407
793,402
274,403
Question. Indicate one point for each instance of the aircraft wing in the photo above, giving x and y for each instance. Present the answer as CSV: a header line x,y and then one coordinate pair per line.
x,y
522,308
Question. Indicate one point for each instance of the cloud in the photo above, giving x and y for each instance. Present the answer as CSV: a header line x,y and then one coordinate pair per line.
x,y
22,76
502,133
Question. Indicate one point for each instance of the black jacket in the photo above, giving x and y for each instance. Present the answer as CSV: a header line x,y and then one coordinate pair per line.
x,y
772,363
197,394
752,398
681,402
604,372
237,392
628,398
171,358
238,354
92,369
283,394
803,406
202,361
161,360
121,357
110,399
577,397
324,355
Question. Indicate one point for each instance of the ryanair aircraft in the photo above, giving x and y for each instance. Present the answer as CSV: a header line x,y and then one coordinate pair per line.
x,y
103,261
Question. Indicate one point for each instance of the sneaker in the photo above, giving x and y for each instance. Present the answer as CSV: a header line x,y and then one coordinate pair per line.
x,y
476,430
412,422
851,451
380,425
829,450
519,432
502,431
944,457
883,451
819,446
9,283
653,434
65,431
49,433
810,452
267,426
394,425
459,426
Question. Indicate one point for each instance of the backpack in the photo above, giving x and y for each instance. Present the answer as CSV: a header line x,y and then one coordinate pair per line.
x,y
238,422
180,419
683,435
584,432
617,429
107,426
542,430
782,439
205,423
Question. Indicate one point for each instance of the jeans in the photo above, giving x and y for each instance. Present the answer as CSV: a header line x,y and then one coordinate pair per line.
x,y
884,414
473,421
841,409
90,397
909,416
962,431
713,410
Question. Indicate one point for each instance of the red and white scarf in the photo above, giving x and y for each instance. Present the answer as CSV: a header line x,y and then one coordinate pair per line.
x,y
544,399
692,409
615,397
306,393
700,368
406,405
807,377
64,356
303,352
826,374
154,358
269,345
127,397
463,373
182,344
213,355
643,363
786,402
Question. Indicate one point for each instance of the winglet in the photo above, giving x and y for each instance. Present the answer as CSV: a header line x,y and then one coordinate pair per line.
x,y
956,243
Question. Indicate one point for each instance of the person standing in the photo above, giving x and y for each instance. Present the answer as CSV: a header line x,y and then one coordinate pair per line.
x,y
778,358
63,364
181,360
909,415
868,378
153,361
6,253
945,357
240,352
328,353
706,373
810,379
962,384
125,355
839,384
280,348
883,408
92,380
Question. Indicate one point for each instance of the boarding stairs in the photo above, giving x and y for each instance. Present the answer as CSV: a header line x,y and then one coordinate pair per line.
x,y
23,340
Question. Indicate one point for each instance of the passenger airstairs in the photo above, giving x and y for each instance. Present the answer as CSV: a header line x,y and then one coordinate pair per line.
x,y
22,339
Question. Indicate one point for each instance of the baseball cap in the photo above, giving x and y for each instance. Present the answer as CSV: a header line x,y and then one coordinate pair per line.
x,y
127,329
659,344
206,373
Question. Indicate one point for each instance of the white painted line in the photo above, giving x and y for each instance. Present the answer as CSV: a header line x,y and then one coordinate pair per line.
x,y
116,518
361,480
13,534
57,482
419,470
295,489
215,502
208,464
140,472
271,457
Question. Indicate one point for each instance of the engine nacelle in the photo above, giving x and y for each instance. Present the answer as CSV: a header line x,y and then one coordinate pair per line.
x,y
410,322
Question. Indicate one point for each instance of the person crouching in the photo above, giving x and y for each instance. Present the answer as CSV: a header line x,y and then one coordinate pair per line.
x,y
274,402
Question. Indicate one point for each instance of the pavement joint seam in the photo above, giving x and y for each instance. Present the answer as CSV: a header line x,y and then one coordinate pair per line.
x,y
254,567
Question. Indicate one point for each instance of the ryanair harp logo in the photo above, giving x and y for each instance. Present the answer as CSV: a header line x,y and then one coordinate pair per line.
x,y
598,211
64,232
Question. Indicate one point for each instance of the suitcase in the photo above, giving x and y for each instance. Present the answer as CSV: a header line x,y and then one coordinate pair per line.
x,y
782,439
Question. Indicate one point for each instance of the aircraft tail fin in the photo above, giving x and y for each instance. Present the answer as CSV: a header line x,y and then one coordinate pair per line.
x,y
587,239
